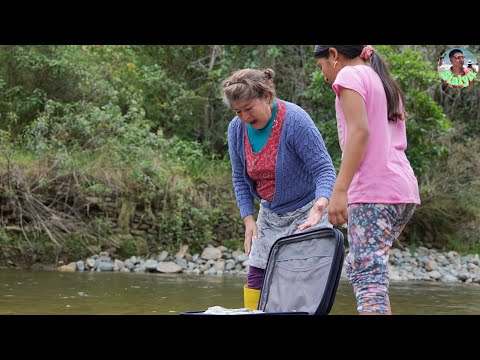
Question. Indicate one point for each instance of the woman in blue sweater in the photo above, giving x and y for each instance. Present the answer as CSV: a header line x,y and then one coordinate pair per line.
x,y
278,157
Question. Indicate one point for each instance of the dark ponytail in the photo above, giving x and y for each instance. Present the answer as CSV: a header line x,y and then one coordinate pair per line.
x,y
395,96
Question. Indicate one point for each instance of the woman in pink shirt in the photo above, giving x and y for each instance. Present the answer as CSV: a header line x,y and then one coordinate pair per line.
x,y
376,191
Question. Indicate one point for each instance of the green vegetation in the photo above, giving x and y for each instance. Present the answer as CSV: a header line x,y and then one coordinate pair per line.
x,y
95,140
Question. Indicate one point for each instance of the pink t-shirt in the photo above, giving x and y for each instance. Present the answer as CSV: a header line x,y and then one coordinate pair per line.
x,y
385,174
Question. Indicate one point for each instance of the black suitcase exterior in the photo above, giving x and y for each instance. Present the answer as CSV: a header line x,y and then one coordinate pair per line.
x,y
302,274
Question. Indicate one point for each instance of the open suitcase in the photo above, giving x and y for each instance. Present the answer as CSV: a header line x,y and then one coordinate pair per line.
x,y
302,274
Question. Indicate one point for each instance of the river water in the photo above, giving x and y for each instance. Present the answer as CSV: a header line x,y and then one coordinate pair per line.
x,y
44,293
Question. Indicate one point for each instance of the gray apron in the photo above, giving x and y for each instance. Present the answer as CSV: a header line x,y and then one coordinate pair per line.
x,y
272,226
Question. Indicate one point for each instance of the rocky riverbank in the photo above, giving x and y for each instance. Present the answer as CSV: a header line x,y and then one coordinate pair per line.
x,y
423,264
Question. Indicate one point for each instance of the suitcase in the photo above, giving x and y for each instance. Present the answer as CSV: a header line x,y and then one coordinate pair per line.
x,y
302,274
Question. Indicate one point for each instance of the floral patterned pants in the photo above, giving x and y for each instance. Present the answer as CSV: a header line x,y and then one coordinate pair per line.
x,y
372,228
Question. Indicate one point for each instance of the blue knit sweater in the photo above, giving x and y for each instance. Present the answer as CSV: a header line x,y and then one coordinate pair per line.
x,y
304,168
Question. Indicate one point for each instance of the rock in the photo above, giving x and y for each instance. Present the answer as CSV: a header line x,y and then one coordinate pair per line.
x,y
118,265
211,253
91,263
241,258
181,253
151,265
105,266
182,263
65,268
162,256
430,265
169,267
80,265
129,264
449,278
104,255
435,274
219,266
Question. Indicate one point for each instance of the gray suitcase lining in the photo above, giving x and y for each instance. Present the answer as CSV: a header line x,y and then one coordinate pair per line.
x,y
299,268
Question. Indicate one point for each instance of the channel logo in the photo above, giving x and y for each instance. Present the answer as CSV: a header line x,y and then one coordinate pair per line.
x,y
457,68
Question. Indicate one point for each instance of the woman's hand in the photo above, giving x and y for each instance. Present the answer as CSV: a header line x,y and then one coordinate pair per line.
x,y
316,213
337,211
250,232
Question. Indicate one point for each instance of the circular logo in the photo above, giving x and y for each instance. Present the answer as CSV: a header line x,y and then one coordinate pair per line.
x,y
457,68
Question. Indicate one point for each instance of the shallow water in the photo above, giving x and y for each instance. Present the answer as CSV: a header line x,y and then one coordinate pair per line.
x,y
43,293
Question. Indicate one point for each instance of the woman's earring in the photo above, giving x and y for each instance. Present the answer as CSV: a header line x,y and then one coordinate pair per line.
x,y
335,63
